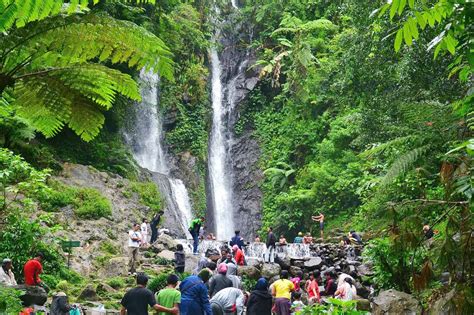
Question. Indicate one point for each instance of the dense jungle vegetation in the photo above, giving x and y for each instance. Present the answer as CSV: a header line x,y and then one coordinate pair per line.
x,y
364,112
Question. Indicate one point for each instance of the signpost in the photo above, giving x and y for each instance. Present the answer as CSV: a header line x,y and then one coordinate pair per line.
x,y
67,246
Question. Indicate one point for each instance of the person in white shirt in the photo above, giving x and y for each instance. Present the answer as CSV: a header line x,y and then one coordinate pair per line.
x,y
228,301
144,231
134,240
347,291
7,278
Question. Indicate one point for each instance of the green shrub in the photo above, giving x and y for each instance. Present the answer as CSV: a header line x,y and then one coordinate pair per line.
x,y
333,306
163,261
108,247
116,283
148,194
159,282
248,283
10,302
91,204
63,286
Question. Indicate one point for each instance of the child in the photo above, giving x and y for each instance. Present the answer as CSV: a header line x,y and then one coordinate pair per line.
x,y
297,305
169,297
179,259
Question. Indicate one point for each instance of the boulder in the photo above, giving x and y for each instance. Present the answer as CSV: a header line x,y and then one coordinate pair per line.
x,y
104,288
248,271
362,291
395,302
363,305
254,261
191,263
115,267
166,254
284,262
89,293
167,241
270,270
444,305
156,248
294,270
33,295
313,263
364,270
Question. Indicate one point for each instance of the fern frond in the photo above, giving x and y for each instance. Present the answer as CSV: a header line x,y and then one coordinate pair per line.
x,y
21,12
90,38
403,164
72,96
380,147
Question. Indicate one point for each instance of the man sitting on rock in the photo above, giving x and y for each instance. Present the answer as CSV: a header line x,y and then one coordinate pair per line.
x,y
137,300
32,271
7,278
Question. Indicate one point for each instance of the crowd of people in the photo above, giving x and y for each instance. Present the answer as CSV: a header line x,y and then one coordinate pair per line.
x,y
215,289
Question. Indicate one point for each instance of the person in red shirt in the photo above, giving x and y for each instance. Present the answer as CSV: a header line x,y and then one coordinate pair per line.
x,y
33,269
312,288
238,255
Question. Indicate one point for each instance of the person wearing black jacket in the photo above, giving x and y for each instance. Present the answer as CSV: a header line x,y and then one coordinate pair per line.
x,y
237,240
260,300
179,259
154,226
271,240
60,305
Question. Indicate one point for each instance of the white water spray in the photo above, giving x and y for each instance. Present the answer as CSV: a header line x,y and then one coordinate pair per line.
x,y
146,141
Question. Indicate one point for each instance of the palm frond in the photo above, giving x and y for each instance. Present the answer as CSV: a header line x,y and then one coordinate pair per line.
x,y
403,164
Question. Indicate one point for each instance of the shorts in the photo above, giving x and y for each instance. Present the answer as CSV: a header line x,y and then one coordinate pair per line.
x,y
321,226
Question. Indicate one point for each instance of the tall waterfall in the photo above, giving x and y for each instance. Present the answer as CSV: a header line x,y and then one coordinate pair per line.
x,y
219,168
145,139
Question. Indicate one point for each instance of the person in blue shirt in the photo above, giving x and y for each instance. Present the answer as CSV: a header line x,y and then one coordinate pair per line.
x,y
237,240
299,238
194,294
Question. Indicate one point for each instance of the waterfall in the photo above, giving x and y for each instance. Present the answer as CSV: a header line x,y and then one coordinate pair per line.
x,y
145,139
219,168
234,4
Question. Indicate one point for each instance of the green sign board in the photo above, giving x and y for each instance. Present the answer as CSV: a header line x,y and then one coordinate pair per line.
x,y
69,244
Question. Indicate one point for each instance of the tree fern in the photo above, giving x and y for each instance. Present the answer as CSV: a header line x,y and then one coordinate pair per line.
x,y
50,68
74,96
403,164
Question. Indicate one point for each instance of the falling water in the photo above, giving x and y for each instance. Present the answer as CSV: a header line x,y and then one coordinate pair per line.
x,y
146,142
220,175
234,4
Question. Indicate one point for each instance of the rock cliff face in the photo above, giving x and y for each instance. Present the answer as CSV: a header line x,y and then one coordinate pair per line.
x,y
239,77
247,178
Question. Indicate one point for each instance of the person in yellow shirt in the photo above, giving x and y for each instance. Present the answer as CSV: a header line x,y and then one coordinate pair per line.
x,y
281,290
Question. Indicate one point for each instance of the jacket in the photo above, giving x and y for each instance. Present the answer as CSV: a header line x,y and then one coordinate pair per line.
x,y
217,283
229,298
237,240
194,297
271,239
259,303
60,305
179,259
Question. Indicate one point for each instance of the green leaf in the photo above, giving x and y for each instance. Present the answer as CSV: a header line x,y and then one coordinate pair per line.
x,y
407,34
401,6
437,50
398,40
394,8
450,44
383,9
413,27
421,20
411,3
